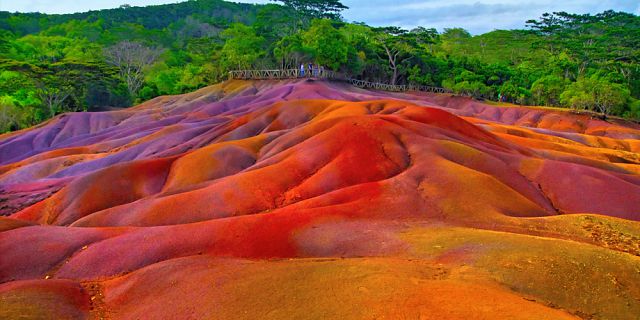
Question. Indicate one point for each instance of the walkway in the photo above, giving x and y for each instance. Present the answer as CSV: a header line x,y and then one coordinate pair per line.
x,y
330,75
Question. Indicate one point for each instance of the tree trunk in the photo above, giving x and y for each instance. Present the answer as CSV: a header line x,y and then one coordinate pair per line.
x,y
394,78
50,104
392,63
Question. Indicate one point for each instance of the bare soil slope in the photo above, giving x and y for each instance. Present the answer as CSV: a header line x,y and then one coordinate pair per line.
x,y
316,200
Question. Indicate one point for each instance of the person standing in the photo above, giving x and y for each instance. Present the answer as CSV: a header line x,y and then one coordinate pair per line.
x,y
302,69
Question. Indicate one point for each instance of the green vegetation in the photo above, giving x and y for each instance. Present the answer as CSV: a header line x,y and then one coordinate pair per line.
x,y
51,64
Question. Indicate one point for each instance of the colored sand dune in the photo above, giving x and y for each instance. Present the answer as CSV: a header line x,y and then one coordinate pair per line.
x,y
315,200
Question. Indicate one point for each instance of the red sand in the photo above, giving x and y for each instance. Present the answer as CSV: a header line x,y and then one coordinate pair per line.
x,y
255,200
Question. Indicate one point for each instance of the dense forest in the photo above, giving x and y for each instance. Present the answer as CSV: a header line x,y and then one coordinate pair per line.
x,y
50,64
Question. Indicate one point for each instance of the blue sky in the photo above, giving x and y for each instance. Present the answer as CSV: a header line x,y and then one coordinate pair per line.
x,y
477,16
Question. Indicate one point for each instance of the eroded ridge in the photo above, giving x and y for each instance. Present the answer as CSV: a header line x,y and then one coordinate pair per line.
x,y
252,199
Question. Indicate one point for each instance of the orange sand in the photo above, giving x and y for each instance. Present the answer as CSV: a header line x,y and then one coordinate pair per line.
x,y
315,200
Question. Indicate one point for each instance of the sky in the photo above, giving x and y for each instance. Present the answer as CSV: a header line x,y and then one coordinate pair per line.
x,y
477,16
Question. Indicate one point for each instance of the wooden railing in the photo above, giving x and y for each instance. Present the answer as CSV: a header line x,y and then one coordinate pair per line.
x,y
328,74
396,87
283,74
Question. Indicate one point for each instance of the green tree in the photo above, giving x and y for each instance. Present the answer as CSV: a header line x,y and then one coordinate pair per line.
x,y
611,98
327,44
590,60
471,88
11,116
546,90
514,93
425,38
319,9
363,59
242,47
397,47
452,38
291,51
634,110
455,34
596,94
563,64
274,22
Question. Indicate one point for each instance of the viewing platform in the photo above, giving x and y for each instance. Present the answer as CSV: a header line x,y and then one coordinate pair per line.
x,y
277,74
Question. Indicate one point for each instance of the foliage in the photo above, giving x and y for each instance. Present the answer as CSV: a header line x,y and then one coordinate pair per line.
x,y
596,94
320,9
51,64
634,110
242,47
546,90
327,45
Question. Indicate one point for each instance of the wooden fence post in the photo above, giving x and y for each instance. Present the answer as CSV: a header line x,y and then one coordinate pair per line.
x,y
330,75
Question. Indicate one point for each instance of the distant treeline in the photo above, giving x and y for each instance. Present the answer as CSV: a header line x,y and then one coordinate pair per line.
x,y
51,64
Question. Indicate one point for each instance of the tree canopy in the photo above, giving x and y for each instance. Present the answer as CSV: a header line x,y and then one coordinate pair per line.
x,y
51,64
321,9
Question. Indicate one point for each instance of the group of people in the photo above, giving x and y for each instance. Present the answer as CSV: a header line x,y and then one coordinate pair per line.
x,y
502,97
311,70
